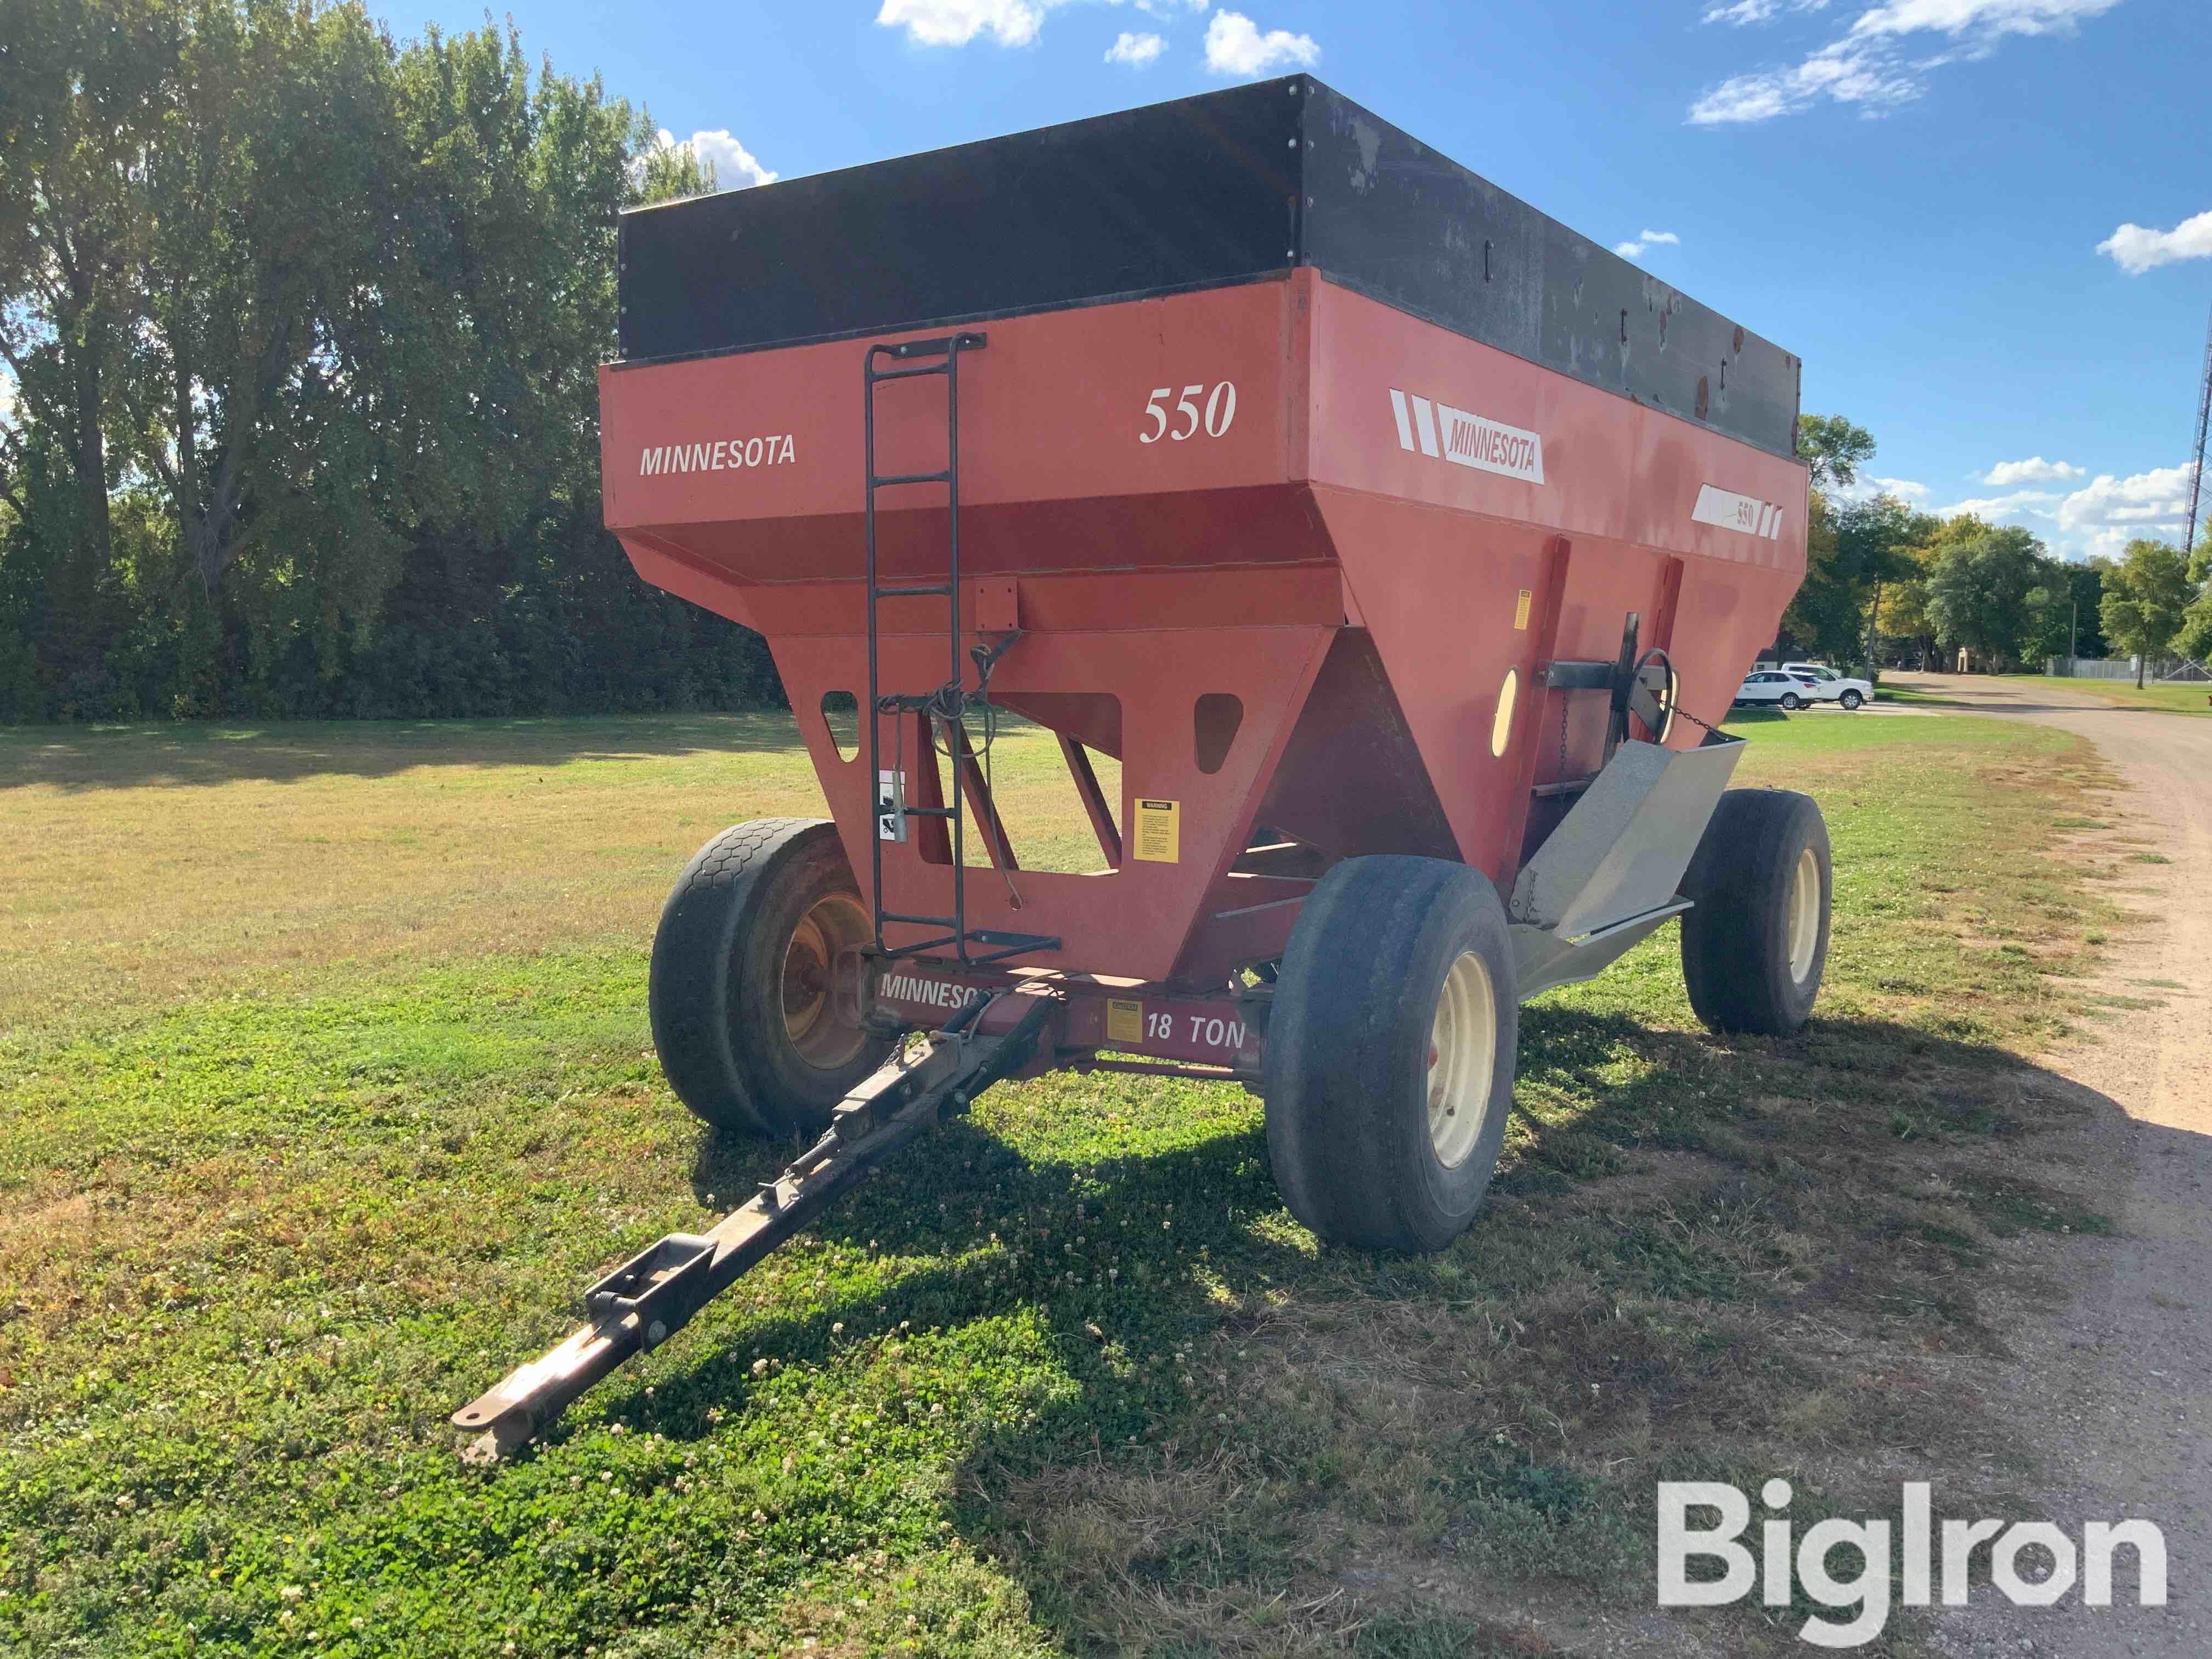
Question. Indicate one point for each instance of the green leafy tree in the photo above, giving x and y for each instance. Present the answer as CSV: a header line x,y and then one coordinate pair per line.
x,y
85,86
1979,589
304,328
2195,639
1904,614
2146,595
1834,449
1852,550
2064,612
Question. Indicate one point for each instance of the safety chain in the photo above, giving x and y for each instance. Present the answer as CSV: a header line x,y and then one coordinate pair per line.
x,y
1694,721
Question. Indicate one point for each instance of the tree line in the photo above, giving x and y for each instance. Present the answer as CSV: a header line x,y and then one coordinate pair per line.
x,y
1887,585
301,326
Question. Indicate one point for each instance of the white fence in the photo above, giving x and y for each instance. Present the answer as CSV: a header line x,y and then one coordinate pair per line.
x,y
2098,668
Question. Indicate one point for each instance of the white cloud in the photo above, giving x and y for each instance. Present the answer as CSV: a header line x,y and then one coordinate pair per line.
x,y
2137,505
2103,516
1876,63
2018,504
1135,50
1909,491
2032,470
2138,249
1235,46
1646,238
1015,22
1842,70
956,22
735,166
1758,11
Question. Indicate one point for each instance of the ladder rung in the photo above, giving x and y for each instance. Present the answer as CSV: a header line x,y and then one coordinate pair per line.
x,y
909,373
927,811
923,949
1012,944
941,590
910,479
921,922
942,346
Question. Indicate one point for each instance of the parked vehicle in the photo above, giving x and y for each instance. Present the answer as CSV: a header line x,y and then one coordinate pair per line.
x,y
1772,686
1827,685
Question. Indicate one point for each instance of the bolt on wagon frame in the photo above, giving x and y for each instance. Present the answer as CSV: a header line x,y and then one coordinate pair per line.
x,y
1401,545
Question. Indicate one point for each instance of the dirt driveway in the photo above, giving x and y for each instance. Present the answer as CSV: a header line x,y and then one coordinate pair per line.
x,y
2112,1395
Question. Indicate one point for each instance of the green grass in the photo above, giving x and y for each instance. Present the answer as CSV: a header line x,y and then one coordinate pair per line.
x,y
2173,699
1067,1378
1908,696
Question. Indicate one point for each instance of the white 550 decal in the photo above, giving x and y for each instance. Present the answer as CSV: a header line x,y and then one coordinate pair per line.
x,y
1465,440
1729,511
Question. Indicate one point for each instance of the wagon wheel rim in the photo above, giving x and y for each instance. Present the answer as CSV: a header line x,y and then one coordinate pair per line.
x,y
1462,1059
1804,914
824,1035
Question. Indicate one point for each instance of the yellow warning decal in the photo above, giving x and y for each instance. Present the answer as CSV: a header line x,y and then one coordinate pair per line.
x,y
1159,837
1125,1021
1520,611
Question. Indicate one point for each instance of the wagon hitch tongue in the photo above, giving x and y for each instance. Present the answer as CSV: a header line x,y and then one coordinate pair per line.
x,y
650,1298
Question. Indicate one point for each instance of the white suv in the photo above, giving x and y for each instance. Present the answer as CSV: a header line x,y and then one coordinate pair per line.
x,y
1823,684
1771,685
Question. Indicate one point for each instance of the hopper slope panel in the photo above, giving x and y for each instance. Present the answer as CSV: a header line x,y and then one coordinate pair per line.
x,y
753,463
1404,409
1451,602
1143,920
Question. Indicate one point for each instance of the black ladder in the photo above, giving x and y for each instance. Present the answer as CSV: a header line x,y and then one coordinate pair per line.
x,y
945,708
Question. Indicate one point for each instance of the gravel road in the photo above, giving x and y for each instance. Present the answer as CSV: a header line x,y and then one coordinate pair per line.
x,y
2111,1394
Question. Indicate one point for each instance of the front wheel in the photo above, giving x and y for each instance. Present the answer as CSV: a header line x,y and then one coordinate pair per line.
x,y
747,1017
1390,1053
1852,700
1755,940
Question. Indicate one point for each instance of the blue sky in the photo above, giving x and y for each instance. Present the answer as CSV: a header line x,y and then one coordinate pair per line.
x,y
1911,195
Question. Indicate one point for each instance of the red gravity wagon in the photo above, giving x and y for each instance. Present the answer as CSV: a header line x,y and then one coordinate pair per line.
x,y
1402,547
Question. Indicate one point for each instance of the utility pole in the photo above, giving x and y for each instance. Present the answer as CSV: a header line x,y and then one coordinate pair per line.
x,y
2197,451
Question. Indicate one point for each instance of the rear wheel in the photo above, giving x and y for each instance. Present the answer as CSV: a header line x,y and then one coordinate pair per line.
x,y
1755,940
1390,1053
747,1015
1851,699
1792,701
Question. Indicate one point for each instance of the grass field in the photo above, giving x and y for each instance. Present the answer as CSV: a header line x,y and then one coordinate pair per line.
x,y
2174,699
325,1086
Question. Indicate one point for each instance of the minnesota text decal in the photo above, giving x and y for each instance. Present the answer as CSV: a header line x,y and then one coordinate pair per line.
x,y
1453,434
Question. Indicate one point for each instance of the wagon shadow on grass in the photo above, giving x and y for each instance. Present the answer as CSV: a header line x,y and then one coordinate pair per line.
x,y
79,759
1264,1442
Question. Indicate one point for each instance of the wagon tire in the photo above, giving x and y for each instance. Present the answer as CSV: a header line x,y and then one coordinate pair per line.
x,y
1388,1069
1755,940
748,1017
1852,700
